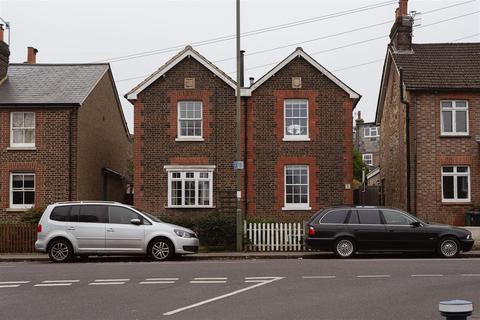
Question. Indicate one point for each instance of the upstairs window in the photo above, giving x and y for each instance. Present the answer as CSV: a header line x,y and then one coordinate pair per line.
x,y
456,184
370,132
454,117
296,119
22,190
368,159
190,120
22,129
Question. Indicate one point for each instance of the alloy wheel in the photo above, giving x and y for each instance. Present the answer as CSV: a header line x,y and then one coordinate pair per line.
x,y
160,250
60,251
449,248
345,248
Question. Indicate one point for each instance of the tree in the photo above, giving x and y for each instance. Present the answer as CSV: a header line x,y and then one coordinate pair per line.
x,y
358,165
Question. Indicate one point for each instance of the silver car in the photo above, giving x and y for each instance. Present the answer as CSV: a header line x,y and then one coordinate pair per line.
x,y
68,229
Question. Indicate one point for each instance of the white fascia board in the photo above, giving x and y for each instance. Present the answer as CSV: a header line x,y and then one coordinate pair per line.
x,y
318,66
198,167
134,94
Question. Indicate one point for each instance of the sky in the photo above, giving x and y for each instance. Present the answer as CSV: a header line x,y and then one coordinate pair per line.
x,y
349,38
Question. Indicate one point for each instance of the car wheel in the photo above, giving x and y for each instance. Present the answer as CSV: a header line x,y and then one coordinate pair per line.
x,y
60,251
344,247
448,247
161,250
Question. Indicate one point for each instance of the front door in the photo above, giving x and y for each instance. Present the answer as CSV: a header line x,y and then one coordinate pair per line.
x,y
121,234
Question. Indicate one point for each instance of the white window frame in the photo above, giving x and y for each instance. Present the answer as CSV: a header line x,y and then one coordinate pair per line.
x,y
367,132
21,206
303,137
22,145
455,175
180,137
454,110
183,170
365,156
295,206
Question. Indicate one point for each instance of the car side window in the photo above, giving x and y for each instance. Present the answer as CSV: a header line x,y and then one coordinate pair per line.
x,y
353,219
92,214
395,217
73,217
335,217
369,216
121,215
60,213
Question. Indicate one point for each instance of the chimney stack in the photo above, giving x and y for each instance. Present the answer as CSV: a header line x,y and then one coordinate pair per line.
x,y
31,55
359,120
4,55
401,32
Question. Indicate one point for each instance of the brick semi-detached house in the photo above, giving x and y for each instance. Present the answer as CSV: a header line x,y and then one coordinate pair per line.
x,y
429,112
296,139
63,134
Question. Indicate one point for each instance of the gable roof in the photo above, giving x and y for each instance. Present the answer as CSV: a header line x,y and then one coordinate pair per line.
x,y
440,66
433,66
188,51
300,53
50,84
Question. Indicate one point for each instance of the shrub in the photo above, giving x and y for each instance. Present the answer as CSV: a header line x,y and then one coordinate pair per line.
x,y
32,215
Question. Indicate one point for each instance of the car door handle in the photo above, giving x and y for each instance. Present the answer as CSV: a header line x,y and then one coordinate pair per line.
x,y
110,230
71,228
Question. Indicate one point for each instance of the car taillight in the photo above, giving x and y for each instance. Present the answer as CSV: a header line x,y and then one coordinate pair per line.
x,y
311,231
39,228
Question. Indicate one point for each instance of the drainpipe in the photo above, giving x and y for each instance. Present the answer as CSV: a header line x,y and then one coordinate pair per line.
x,y
70,155
407,135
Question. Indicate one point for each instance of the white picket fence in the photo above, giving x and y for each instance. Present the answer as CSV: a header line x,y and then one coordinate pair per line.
x,y
274,236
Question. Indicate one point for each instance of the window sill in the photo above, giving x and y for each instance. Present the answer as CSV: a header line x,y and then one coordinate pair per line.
x,y
455,136
16,209
191,207
456,203
296,139
21,148
189,139
296,208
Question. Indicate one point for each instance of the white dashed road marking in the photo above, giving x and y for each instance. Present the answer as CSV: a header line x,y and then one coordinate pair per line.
x,y
52,285
12,284
106,282
374,276
161,279
60,281
427,275
319,277
209,280
157,282
471,275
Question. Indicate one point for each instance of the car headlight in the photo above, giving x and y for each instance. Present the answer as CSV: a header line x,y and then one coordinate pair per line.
x,y
469,236
184,234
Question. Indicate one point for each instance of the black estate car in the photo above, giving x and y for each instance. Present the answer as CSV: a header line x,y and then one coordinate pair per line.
x,y
346,230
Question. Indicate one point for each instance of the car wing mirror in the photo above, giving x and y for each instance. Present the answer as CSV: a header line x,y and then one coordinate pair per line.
x,y
136,221
416,224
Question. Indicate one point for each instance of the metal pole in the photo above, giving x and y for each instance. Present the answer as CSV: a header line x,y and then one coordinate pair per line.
x,y
239,222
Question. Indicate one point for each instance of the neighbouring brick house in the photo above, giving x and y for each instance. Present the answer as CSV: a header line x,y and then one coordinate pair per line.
x,y
429,111
296,139
63,134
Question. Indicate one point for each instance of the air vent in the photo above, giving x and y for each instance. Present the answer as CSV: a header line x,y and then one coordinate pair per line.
x,y
189,83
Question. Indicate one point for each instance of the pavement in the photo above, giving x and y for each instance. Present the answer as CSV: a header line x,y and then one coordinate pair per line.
x,y
13,257
310,288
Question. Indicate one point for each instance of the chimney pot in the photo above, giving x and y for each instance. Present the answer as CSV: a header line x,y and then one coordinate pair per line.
x,y
31,55
252,80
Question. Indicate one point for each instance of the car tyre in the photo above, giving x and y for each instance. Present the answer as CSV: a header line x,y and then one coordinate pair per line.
x,y
344,247
448,247
60,251
161,249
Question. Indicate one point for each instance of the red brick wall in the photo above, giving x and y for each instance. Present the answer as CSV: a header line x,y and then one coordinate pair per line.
x,y
328,153
433,151
155,119
392,144
49,162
